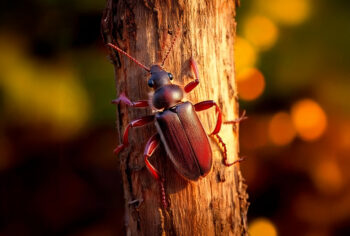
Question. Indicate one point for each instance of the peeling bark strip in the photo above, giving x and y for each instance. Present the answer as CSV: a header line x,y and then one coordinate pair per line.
x,y
216,204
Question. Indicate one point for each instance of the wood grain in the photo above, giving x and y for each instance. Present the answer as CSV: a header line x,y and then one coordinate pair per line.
x,y
216,204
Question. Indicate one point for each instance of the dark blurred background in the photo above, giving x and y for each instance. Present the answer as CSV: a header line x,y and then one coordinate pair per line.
x,y
57,172
293,72
58,175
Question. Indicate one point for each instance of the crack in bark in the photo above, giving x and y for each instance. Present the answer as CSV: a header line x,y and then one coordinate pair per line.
x,y
243,200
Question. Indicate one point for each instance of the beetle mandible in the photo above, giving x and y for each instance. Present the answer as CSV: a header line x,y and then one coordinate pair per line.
x,y
178,126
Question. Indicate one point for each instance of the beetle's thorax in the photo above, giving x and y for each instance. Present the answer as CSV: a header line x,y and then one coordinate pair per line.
x,y
165,94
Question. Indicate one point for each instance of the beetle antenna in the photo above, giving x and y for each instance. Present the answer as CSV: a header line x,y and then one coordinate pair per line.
x,y
130,57
170,48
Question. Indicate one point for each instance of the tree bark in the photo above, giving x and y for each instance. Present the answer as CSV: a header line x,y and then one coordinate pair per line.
x,y
216,204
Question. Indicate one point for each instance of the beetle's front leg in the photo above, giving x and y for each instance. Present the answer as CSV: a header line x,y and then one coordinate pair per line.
x,y
151,146
125,100
206,105
190,86
136,123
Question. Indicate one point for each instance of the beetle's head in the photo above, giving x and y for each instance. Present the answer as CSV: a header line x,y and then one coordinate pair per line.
x,y
159,77
165,94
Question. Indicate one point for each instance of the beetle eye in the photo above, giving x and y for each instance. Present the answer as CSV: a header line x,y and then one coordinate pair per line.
x,y
170,76
150,83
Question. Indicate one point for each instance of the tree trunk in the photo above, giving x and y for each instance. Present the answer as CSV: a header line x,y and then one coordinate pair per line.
x,y
216,204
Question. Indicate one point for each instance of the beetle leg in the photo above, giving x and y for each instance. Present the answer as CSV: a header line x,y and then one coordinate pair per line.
x,y
236,121
151,146
206,105
190,86
136,123
224,151
125,100
223,147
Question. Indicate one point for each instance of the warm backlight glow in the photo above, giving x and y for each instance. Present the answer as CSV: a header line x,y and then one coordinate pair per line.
x,y
41,94
281,129
290,12
327,176
262,227
251,83
309,119
261,32
344,135
245,54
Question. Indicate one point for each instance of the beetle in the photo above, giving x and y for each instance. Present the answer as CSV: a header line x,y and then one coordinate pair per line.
x,y
178,126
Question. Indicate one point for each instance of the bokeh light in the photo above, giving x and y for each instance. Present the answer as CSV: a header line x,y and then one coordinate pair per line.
x,y
327,176
281,129
262,227
57,126
261,32
289,12
254,133
309,119
306,96
245,54
344,136
251,84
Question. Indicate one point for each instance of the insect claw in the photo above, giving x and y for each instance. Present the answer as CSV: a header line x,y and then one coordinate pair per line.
x,y
240,119
236,161
117,100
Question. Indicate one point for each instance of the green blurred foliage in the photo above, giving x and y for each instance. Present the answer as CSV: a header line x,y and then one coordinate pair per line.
x,y
57,171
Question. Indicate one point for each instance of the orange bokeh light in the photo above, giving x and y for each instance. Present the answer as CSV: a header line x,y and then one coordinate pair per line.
x,y
281,129
245,54
309,119
289,12
251,84
327,176
262,227
261,32
344,135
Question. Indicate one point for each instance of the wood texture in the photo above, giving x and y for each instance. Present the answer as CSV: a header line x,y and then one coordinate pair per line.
x,y
216,204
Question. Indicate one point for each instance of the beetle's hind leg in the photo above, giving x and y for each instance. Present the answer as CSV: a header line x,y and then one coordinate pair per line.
x,y
151,146
136,123
222,145
208,104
